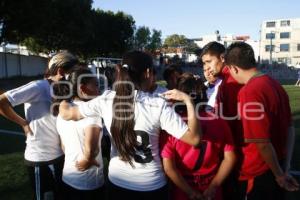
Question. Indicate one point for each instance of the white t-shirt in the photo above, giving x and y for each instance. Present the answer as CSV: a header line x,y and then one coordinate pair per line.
x,y
151,115
212,92
72,136
44,144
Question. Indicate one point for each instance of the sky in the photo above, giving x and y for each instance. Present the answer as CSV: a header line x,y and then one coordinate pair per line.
x,y
195,18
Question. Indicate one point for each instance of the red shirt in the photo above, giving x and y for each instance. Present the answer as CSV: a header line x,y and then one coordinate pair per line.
x,y
226,105
266,116
199,165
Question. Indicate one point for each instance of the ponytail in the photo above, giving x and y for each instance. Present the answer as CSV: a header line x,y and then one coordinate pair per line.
x,y
128,78
122,128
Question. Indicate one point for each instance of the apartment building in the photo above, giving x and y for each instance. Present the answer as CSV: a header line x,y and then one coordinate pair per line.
x,y
280,41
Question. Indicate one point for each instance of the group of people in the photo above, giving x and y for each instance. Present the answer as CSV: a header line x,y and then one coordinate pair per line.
x,y
230,137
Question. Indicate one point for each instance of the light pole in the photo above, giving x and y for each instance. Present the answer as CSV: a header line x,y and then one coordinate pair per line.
x,y
271,49
271,45
259,47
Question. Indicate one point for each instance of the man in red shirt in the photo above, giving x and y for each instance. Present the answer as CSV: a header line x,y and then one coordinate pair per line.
x,y
226,101
212,56
267,127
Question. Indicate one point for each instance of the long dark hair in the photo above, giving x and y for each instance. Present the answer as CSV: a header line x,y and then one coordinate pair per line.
x,y
129,76
68,90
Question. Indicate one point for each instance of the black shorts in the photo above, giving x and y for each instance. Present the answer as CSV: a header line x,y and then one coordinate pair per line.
x,y
116,192
46,178
74,194
264,187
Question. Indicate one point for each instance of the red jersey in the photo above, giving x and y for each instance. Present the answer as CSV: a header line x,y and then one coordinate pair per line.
x,y
227,106
266,116
199,165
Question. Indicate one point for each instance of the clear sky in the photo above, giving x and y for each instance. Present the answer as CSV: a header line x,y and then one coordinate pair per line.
x,y
194,18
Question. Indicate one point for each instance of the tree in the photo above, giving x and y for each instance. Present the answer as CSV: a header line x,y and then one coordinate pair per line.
x,y
142,38
110,33
155,41
180,41
48,25
175,41
191,47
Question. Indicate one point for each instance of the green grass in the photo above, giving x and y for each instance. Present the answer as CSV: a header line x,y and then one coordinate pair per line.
x,y
14,184
294,94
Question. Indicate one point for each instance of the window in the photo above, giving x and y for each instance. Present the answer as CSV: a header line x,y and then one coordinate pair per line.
x,y
282,60
284,47
284,35
285,23
298,47
267,48
270,35
271,24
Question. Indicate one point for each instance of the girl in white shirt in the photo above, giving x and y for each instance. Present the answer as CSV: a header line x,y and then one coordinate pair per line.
x,y
83,169
43,154
134,119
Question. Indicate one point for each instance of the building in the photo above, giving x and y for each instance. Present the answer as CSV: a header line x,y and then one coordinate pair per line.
x,y
228,39
280,41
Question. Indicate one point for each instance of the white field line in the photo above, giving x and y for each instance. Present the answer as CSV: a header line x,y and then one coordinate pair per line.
x,y
11,132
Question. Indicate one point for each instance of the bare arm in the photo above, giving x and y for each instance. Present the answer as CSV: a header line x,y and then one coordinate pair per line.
x,y
8,112
178,180
285,181
69,112
91,147
193,135
225,168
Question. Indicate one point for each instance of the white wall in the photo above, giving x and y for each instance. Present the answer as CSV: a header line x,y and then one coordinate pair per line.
x,y
21,65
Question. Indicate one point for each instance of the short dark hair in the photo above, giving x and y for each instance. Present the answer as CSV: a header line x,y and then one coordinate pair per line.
x,y
213,48
170,70
241,55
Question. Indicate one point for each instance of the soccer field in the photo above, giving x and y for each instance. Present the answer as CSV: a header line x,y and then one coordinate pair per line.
x,y
14,182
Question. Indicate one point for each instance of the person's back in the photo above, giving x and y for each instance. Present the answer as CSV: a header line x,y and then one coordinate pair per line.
x,y
83,177
72,136
37,103
149,111
267,128
43,154
276,115
134,118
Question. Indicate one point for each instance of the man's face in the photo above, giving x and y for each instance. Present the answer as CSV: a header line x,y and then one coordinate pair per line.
x,y
208,75
213,63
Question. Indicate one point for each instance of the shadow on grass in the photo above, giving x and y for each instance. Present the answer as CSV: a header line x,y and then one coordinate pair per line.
x,y
14,182
17,192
